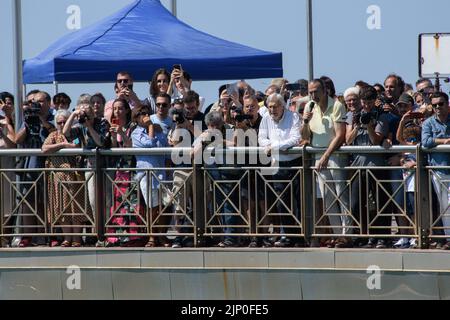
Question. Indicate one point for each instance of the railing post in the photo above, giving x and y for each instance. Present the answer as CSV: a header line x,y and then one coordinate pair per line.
x,y
422,200
307,201
99,195
198,204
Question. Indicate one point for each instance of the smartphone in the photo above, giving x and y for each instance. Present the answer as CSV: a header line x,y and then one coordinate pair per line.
x,y
232,89
416,115
293,87
130,87
115,121
177,66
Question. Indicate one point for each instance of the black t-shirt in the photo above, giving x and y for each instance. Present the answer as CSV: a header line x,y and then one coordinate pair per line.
x,y
199,116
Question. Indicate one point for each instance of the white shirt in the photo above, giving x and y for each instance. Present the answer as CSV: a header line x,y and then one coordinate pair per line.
x,y
263,111
280,135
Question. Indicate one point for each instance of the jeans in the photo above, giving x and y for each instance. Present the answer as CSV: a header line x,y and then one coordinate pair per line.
x,y
226,200
442,190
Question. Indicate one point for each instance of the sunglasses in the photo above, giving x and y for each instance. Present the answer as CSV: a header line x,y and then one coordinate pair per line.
x,y
162,105
440,104
61,123
122,80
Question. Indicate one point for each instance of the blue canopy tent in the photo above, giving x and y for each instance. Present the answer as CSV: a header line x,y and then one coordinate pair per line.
x,y
141,38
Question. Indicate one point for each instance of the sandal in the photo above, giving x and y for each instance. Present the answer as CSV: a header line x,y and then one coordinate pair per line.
x,y
65,244
76,244
25,242
151,243
54,243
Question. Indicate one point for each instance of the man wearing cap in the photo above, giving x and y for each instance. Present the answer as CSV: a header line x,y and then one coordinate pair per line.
x,y
324,126
404,103
435,132
404,107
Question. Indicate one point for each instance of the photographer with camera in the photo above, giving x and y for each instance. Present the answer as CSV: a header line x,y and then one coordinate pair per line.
x,y
90,132
368,128
245,134
189,123
38,124
408,133
188,118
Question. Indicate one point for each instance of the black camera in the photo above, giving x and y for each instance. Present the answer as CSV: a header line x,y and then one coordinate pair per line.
x,y
243,117
82,118
293,86
178,116
31,118
384,99
365,117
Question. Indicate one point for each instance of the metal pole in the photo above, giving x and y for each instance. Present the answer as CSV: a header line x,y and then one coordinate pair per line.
x,y
174,7
309,28
55,83
17,61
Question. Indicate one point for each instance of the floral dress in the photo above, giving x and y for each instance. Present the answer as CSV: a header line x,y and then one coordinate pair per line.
x,y
67,203
127,208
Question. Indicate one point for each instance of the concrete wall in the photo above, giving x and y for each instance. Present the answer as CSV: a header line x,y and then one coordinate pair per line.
x,y
201,274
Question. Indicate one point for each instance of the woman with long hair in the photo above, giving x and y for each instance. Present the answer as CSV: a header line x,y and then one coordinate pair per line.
x,y
126,209
159,84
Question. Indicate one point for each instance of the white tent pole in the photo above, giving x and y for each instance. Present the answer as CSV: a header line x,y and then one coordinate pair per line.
x,y
17,57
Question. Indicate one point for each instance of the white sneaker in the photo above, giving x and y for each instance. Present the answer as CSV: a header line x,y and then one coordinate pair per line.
x,y
401,242
413,243
15,242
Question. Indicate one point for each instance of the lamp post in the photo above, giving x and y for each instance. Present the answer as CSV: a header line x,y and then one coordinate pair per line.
x,y
309,29
174,7
17,57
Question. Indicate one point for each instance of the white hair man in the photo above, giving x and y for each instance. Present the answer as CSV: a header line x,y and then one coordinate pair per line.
x,y
280,130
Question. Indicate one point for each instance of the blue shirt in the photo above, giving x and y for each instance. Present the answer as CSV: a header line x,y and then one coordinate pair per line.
x,y
166,124
433,129
141,139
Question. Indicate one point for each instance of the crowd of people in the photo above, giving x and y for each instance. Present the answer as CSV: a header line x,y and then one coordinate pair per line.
x,y
285,115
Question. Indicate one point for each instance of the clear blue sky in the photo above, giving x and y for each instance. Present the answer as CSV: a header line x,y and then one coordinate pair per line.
x,y
344,47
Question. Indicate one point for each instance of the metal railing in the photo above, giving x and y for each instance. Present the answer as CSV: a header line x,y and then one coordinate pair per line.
x,y
198,201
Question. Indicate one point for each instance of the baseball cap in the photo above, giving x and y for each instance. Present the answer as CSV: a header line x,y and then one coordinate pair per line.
x,y
405,98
